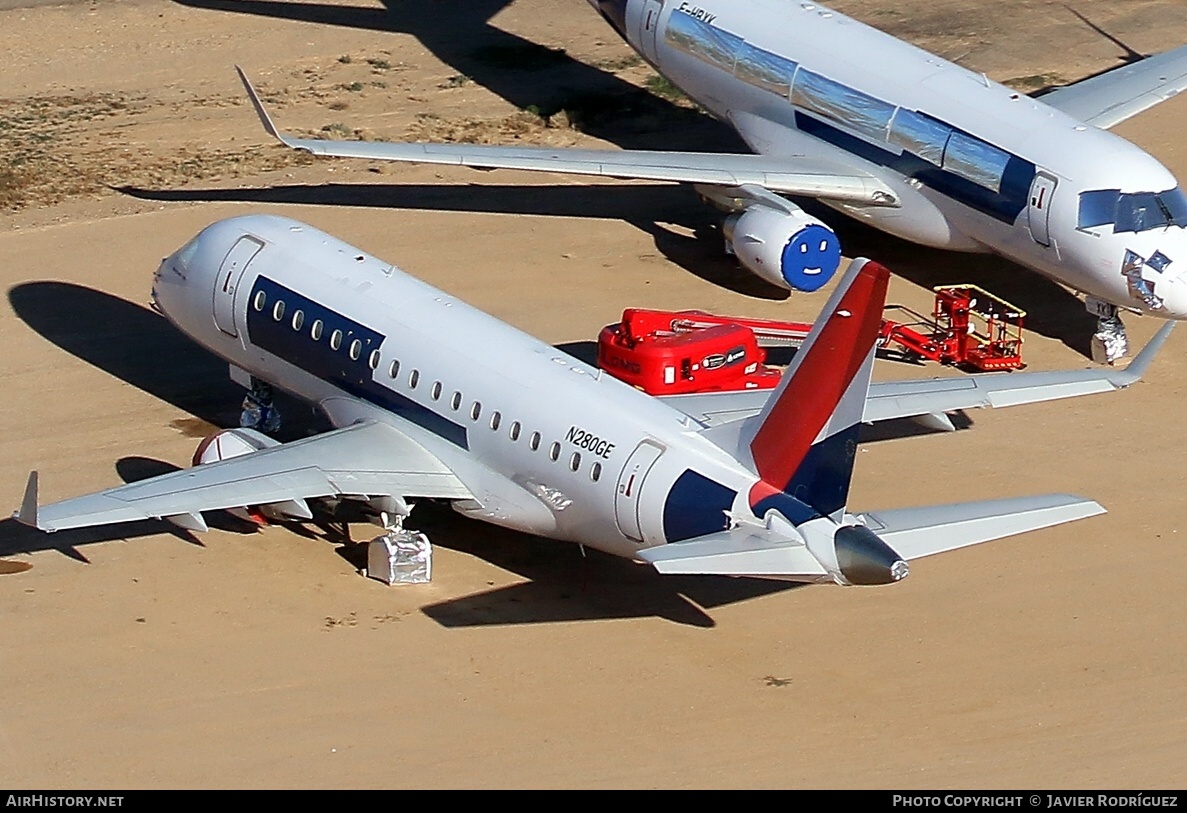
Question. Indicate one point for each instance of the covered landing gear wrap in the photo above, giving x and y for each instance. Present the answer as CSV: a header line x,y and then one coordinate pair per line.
x,y
1109,342
259,412
399,555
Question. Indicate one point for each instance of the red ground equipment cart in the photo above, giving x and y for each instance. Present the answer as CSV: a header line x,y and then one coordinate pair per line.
x,y
671,352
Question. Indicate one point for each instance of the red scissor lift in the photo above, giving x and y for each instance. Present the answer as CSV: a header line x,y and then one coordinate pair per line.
x,y
673,352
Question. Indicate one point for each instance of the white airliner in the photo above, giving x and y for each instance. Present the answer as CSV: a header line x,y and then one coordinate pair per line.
x,y
433,399
898,138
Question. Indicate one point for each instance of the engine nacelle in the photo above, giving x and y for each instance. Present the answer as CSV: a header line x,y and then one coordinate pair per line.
x,y
792,250
852,554
228,443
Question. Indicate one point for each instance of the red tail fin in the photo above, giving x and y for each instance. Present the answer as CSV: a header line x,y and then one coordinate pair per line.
x,y
823,394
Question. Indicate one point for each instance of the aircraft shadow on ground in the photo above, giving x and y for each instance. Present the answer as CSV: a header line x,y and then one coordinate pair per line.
x,y
141,348
1051,309
524,73
564,586
701,254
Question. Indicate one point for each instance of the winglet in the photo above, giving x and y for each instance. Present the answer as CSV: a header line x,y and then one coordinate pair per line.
x,y
1137,368
27,515
265,119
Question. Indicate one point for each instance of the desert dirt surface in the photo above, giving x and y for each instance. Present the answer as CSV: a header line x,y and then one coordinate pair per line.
x,y
144,657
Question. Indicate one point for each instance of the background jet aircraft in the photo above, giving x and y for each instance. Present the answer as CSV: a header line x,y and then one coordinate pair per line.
x,y
898,138
433,399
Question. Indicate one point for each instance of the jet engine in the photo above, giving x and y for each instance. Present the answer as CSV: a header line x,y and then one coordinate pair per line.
x,y
228,443
790,249
852,554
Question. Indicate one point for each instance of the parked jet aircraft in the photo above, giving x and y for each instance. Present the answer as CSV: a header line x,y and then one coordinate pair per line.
x,y
897,138
433,399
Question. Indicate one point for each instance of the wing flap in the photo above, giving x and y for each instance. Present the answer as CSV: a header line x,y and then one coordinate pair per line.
x,y
739,552
370,459
793,176
918,532
930,396
1111,98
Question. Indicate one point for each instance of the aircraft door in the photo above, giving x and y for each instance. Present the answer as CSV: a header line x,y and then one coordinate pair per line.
x,y
649,26
229,274
630,483
1039,211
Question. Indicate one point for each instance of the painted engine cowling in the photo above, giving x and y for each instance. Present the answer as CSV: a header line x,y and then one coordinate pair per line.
x,y
852,554
792,250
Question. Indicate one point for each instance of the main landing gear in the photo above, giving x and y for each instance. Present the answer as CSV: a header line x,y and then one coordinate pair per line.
x,y
1110,341
259,412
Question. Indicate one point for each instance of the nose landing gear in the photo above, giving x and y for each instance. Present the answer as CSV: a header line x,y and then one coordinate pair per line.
x,y
1110,341
259,412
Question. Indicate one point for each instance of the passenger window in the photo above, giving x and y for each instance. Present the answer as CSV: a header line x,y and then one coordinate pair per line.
x,y
534,441
495,419
456,401
260,300
373,362
475,411
575,461
764,69
595,472
394,369
920,134
435,392
315,331
278,310
335,339
356,349
414,378
976,161
844,105
554,451
514,433
298,319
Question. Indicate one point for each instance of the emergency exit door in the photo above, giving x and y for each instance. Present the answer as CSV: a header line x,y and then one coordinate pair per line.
x,y
229,275
630,484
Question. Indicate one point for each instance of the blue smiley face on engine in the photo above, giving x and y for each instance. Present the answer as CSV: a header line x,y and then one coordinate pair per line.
x,y
811,257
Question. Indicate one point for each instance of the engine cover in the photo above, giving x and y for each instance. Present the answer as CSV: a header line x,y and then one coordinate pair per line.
x,y
792,250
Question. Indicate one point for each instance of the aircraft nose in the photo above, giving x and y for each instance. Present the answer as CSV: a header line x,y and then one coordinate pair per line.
x,y
1174,298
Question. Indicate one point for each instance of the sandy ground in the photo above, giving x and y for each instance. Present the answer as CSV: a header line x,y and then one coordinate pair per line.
x,y
137,657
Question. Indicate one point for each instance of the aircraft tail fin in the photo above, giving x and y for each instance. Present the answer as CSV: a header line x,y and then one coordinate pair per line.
x,y
804,441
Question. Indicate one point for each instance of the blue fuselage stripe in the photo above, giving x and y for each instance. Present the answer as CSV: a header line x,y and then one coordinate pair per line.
x,y
318,358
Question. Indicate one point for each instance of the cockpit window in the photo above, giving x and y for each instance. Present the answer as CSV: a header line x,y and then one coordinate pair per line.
x,y
1098,207
185,254
1132,211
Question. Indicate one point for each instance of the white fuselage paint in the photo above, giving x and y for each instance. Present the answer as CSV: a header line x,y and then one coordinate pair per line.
x,y
1069,156
526,381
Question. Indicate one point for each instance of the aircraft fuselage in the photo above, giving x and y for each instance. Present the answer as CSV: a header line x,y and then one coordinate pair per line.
x,y
976,166
547,444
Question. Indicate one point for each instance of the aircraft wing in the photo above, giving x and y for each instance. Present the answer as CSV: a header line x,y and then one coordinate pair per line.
x,y
911,532
367,459
1113,97
793,175
935,396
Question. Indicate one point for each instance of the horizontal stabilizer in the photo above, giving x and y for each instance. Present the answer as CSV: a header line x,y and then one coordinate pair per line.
x,y
919,532
740,552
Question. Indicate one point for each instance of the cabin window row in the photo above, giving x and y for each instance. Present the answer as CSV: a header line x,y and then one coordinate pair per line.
x,y
316,329
862,114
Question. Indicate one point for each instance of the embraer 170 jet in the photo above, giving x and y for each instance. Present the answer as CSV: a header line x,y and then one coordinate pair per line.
x,y
898,138
433,399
